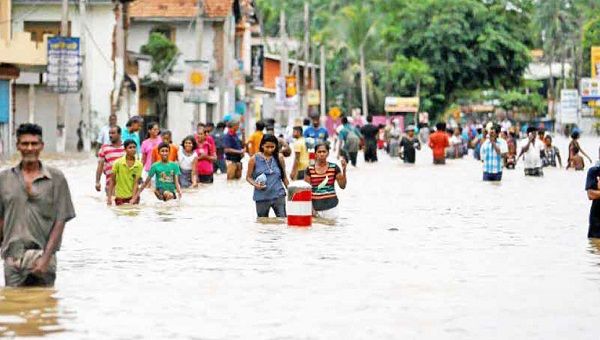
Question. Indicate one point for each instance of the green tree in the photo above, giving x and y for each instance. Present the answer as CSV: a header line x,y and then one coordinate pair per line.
x,y
162,50
357,27
467,44
164,54
412,72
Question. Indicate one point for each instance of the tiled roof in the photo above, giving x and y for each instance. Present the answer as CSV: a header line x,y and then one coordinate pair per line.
x,y
217,8
163,8
178,8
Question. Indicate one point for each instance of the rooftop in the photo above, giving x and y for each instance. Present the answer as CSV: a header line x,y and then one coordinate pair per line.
x,y
179,8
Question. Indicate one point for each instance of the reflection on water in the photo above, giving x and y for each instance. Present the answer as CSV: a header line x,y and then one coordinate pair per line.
x,y
29,312
419,252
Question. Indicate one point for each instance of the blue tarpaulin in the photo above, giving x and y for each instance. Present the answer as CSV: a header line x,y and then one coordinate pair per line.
x,y
4,101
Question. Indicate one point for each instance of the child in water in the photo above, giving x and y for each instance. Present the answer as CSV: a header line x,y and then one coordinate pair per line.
x,y
167,176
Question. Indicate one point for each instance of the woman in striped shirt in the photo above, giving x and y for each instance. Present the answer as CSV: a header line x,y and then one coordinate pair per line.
x,y
322,177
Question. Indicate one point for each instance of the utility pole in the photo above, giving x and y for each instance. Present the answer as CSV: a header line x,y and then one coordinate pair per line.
x,y
284,50
85,90
283,72
304,100
322,73
61,137
199,35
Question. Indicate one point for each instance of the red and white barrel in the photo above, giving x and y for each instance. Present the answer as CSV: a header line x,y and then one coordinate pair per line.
x,y
312,157
299,207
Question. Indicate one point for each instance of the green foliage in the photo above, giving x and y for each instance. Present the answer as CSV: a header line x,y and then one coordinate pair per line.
x,y
448,47
162,50
591,37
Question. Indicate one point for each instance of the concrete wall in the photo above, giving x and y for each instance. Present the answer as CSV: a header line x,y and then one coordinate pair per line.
x,y
100,22
186,43
185,40
45,114
181,116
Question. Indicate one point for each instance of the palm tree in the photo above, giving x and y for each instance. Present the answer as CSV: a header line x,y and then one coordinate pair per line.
x,y
357,27
555,20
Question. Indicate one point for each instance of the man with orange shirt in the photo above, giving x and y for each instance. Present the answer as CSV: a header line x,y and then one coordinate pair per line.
x,y
173,151
254,141
438,142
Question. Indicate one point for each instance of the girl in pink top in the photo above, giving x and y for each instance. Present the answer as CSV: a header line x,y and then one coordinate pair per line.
x,y
206,156
149,144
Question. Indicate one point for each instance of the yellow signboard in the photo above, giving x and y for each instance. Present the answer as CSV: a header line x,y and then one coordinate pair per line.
x,y
290,86
313,97
595,61
401,104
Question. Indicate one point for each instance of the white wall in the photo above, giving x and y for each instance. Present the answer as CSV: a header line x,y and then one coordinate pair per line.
x,y
185,40
100,23
181,116
46,103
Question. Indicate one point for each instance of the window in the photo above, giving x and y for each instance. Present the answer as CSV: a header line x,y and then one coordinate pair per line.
x,y
39,28
167,31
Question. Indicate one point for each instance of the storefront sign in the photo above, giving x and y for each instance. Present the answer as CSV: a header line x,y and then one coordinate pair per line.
x,y
63,64
402,104
595,62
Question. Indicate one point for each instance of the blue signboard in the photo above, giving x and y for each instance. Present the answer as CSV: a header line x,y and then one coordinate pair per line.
x,y
63,64
4,101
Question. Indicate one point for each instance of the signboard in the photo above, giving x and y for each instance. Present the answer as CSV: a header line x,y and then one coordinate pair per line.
x,y
63,64
313,97
569,106
589,89
258,64
595,62
195,86
280,96
402,104
290,87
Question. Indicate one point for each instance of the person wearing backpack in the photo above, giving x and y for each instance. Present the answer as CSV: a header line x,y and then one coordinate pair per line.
x,y
349,141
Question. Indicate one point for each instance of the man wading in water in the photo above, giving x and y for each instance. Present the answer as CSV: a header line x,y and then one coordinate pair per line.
x,y
592,186
35,205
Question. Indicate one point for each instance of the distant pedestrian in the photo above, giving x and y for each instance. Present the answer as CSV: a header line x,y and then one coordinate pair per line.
x,y
187,159
149,144
103,135
167,176
218,136
35,205
107,156
395,135
255,138
266,173
234,151
167,138
316,133
370,134
206,157
132,131
575,160
531,153
126,174
592,186
301,158
349,137
322,177
493,151
550,154
408,145
438,142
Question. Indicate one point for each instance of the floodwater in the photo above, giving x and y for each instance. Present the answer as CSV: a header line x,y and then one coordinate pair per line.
x,y
420,252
